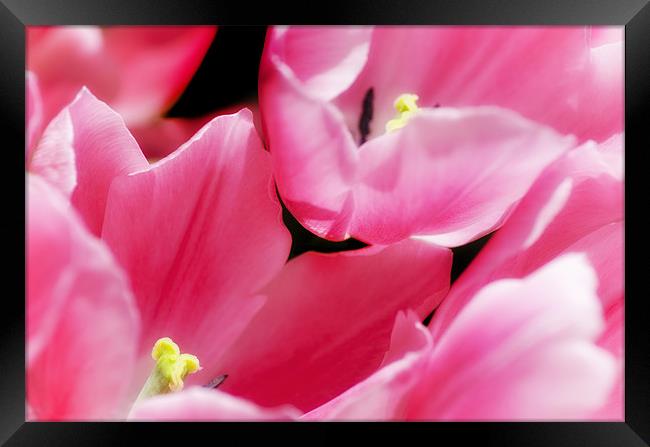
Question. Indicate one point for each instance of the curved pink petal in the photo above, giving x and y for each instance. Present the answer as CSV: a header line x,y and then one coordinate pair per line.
x,y
326,60
200,404
82,325
314,157
327,321
199,232
381,396
82,150
34,110
575,206
503,358
522,349
451,174
139,71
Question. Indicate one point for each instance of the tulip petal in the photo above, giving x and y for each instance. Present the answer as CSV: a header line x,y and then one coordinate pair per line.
x,y
199,404
326,60
380,396
156,64
327,321
575,206
566,210
522,349
449,174
315,184
82,324
139,71
199,232
82,150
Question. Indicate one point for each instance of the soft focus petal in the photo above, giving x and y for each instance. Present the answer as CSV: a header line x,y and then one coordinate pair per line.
x,y
575,206
34,112
82,150
326,60
327,321
200,404
314,156
139,71
576,200
199,232
156,64
82,326
522,349
380,396
450,174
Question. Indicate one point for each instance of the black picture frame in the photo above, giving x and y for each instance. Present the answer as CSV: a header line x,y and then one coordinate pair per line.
x,y
633,14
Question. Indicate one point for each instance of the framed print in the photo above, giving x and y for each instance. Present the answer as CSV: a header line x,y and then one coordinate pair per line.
x,y
364,217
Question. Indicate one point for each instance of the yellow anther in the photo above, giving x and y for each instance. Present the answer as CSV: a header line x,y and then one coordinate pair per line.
x,y
171,369
164,346
406,106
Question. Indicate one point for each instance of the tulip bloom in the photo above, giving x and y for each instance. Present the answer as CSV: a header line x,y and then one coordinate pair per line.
x,y
575,206
139,71
522,349
199,237
389,132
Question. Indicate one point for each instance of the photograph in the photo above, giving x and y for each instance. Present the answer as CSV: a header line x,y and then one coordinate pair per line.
x,y
164,284
323,222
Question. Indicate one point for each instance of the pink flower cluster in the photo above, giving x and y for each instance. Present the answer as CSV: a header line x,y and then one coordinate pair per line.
x,y
413,140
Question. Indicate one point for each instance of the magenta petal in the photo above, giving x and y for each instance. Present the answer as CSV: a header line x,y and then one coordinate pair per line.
x,y
139,71
82,150
327,321
575,206
314,157
326,60
199,233
523,350
200,404
82,325
568,206
381,396
503,358
449,174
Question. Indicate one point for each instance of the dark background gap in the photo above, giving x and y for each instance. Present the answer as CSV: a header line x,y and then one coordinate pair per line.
x,y
227,75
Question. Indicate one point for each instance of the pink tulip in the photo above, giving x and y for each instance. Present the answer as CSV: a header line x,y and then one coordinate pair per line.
x,y
493,103
522,349
139,71
575,206
200,237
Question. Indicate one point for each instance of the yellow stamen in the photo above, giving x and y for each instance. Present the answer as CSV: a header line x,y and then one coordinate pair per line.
x,y
170,370
406,107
